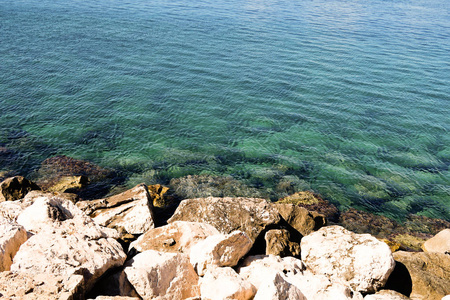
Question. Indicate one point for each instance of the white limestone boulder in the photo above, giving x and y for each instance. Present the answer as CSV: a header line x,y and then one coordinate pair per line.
x,y
361,260
130,211
219,251
277,288
62,253
386,295
12,236
439,243
160,275
262,268
178,236
22,286
225,283
250,215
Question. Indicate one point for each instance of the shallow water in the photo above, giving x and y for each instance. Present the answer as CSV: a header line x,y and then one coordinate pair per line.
x,y
348,98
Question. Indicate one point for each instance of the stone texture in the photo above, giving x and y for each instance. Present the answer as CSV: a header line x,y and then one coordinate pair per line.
x,y
278,243
15,188
386,295
429,271
159,275
63,253
178,236
259,268
219,251
249,215
54,213
69,184
300,218
10,210
21,286
129,212
57,167
277,288
361,260
225,283
12,236
439,243
158,195
313,202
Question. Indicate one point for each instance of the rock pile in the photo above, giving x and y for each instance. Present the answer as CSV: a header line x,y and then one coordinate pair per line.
x,y
211,248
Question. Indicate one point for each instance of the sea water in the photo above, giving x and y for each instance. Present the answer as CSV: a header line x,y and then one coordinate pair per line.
x,y
348,98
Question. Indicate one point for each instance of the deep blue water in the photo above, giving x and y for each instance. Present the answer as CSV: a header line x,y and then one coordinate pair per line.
x,y
348,98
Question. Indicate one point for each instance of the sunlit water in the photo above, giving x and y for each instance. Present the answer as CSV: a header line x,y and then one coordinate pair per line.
x,y
350,99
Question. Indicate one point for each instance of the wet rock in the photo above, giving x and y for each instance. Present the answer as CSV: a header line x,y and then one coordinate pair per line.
x,y
178,236
129,212
67,184
53,169
429,273
225,283
219,251
386,295
278,242
277,288
313,202
359,259
159,275
20,286
15,188
158,195
202,186
250,215
363,222
439,243
300,218
12,236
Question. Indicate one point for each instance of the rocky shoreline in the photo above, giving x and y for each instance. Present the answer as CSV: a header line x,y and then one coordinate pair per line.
x,y
144,243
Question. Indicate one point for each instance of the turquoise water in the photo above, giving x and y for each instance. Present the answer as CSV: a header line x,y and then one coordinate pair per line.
x,y
348,98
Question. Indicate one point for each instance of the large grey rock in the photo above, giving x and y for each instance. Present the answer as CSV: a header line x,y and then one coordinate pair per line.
x,y
359,259
429,272
178,236
439,243
23,286
219,251
15,188
277,288
130,211
225,283
249,215
160,275
12,236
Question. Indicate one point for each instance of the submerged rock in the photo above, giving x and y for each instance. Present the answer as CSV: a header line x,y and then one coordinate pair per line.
x,y
15,188
359,259
250,215
313,203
